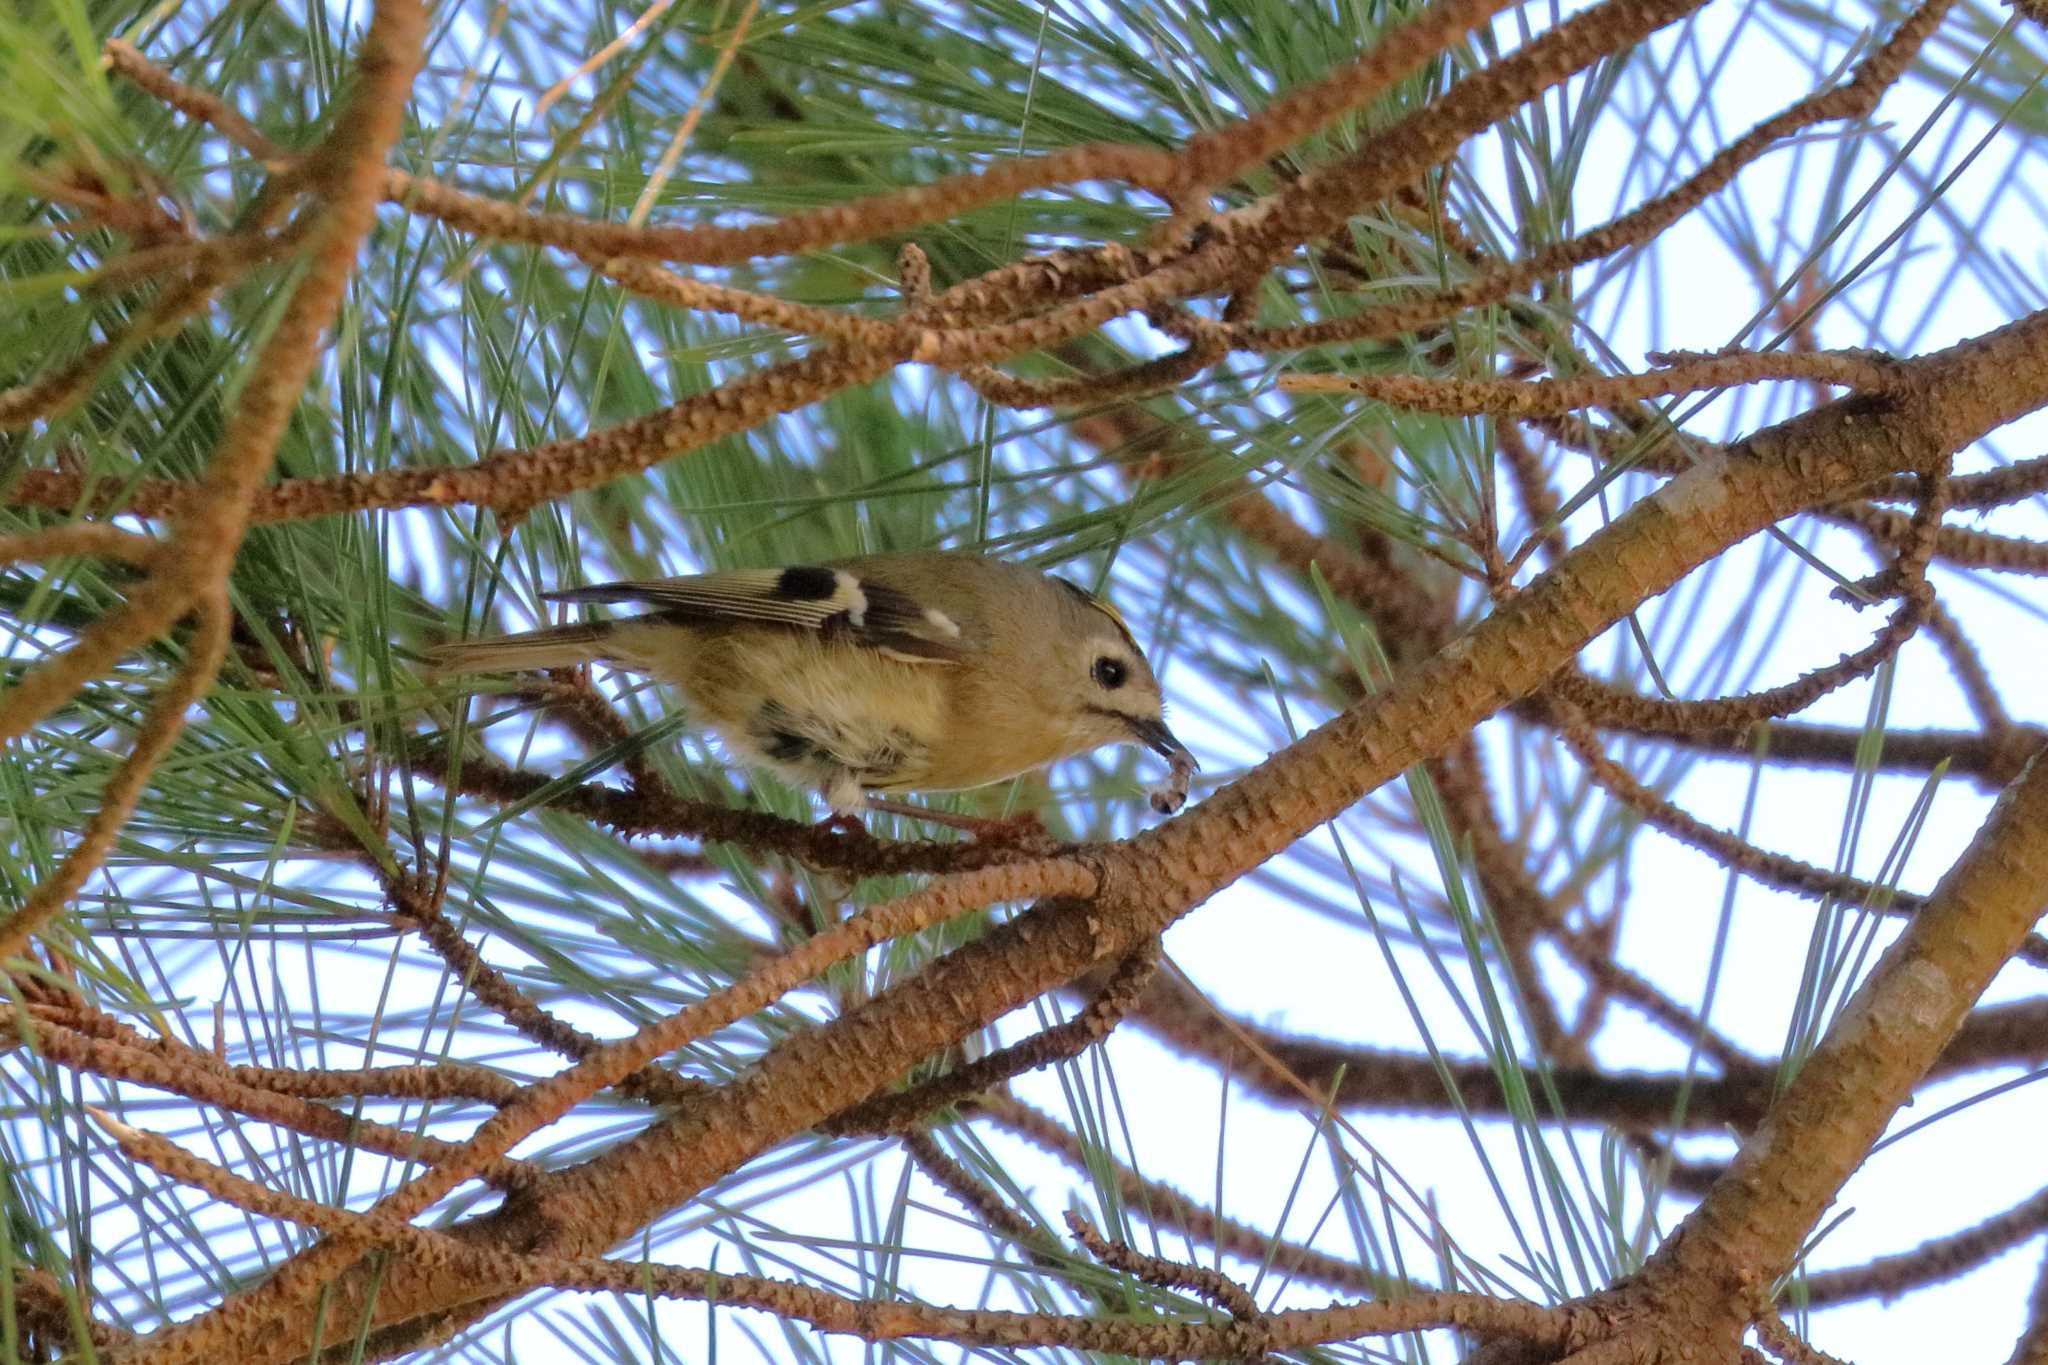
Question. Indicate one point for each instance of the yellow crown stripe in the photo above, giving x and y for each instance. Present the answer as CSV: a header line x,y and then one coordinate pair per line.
x,y
1101,604
1108,608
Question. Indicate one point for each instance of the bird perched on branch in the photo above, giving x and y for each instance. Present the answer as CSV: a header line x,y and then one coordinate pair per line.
x,y
921,671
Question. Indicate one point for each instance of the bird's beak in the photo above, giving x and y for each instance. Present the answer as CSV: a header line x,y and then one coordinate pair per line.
x,y
1154,735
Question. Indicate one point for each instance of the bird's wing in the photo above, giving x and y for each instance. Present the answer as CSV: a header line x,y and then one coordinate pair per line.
x,y
831,601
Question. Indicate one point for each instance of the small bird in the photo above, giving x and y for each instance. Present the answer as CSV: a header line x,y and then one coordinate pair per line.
x,y
921,671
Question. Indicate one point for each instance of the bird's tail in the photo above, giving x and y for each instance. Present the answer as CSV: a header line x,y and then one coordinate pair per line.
x,y
555,647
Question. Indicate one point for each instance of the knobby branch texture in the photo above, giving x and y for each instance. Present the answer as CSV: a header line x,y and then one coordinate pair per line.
x,y
1467,627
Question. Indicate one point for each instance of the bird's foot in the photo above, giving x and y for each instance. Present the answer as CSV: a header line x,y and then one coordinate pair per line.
x,y
1023,828
846,824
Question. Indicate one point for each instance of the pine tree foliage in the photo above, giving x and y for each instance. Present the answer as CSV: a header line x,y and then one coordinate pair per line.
x,y
1578,475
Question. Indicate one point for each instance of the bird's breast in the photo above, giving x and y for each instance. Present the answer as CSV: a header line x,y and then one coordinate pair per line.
x,y
817,710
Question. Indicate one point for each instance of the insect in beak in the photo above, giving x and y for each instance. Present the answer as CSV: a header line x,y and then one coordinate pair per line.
x,y
1154,735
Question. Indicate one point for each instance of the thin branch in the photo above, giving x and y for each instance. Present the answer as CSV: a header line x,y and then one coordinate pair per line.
x,y
1558,397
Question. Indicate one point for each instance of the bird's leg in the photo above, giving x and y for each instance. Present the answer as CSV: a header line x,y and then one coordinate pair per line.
x,y
844,795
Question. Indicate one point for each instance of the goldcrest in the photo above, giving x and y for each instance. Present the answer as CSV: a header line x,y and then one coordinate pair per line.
x,y
921,671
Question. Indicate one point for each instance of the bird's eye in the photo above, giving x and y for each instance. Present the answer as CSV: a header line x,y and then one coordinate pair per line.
x,y
1110,674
